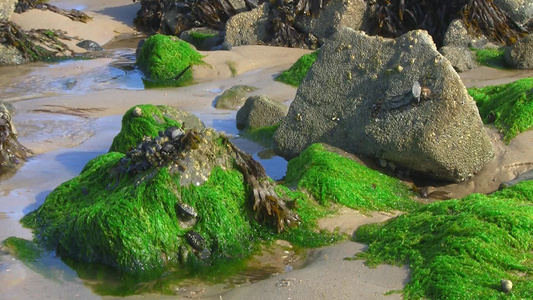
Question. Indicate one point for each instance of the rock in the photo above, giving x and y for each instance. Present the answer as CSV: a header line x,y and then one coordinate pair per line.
x,y
334,15
7,7
248,28
260,111
520,11
461,58
234,97
137,112
457,35
12,153
507,285
358,96
520,55
10,55
528,175
89,45
202,38
238,5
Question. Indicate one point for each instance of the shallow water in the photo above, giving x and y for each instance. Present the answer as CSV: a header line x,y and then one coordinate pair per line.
x,y
63,142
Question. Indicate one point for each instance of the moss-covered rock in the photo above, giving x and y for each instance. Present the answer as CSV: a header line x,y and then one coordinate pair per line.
x,y
234,97
460,249
168,60
149,120
296,73
509,106
491,57
331,178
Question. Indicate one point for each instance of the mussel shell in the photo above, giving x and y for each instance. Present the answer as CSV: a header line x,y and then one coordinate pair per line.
x,y
196,241
185,210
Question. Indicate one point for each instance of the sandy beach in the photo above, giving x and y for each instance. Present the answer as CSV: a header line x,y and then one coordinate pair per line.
x,y
68,113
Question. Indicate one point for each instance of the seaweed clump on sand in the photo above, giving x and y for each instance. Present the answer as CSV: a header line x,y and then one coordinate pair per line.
x,y
180,198
332,178
12,152
297,72
396,17
36,44
168,60
508,106
460,248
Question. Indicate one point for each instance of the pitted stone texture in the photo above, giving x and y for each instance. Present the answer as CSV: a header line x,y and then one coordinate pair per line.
x,y
248,28
457,35
520,55
260,111
7,7
334,15
358,96
461,58
520,11
10,55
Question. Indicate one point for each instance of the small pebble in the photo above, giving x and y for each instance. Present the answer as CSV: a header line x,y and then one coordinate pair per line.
x,y
507,285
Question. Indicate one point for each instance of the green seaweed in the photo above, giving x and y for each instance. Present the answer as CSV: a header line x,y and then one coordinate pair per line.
x,y
134,128
23,249
491,57
199,37
331,178
261,135
297,72
509,106
163,58
460,249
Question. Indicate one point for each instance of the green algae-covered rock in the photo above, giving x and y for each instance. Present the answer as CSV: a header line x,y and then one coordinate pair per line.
x,y
149,120
297,72
331,177
460,249
165,58
509,106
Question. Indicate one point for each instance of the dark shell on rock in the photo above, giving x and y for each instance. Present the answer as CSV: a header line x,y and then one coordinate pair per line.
x,y
185,210
196,241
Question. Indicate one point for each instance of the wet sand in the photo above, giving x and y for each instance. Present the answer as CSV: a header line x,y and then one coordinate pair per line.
x,y
66,127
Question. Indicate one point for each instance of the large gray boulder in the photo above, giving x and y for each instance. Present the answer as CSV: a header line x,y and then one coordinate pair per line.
x,y
260,111
334,15
520,11
7,7
520,55
248,28
397,100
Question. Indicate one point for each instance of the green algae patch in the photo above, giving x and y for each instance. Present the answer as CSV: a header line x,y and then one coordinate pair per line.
x,y
491,57
168,60
135,126
261,135
22,249
460,249
331,178
509,106
297,72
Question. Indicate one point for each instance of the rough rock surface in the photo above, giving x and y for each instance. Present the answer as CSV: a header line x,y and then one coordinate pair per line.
x,y
334,15
10,55
461,58
260,111
457,35
12,153
398,100
521,11
520,55
248,28
7,7
234,97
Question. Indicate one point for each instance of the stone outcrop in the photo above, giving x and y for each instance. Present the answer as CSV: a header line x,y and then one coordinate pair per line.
x,y
457,35
260,111
397,100
248,28
10,56
12,153
520,55
7,7
461,58
520,11
234,97
334,15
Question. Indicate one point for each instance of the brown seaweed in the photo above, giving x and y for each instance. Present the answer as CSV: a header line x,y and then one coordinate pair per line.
x,y
73,14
